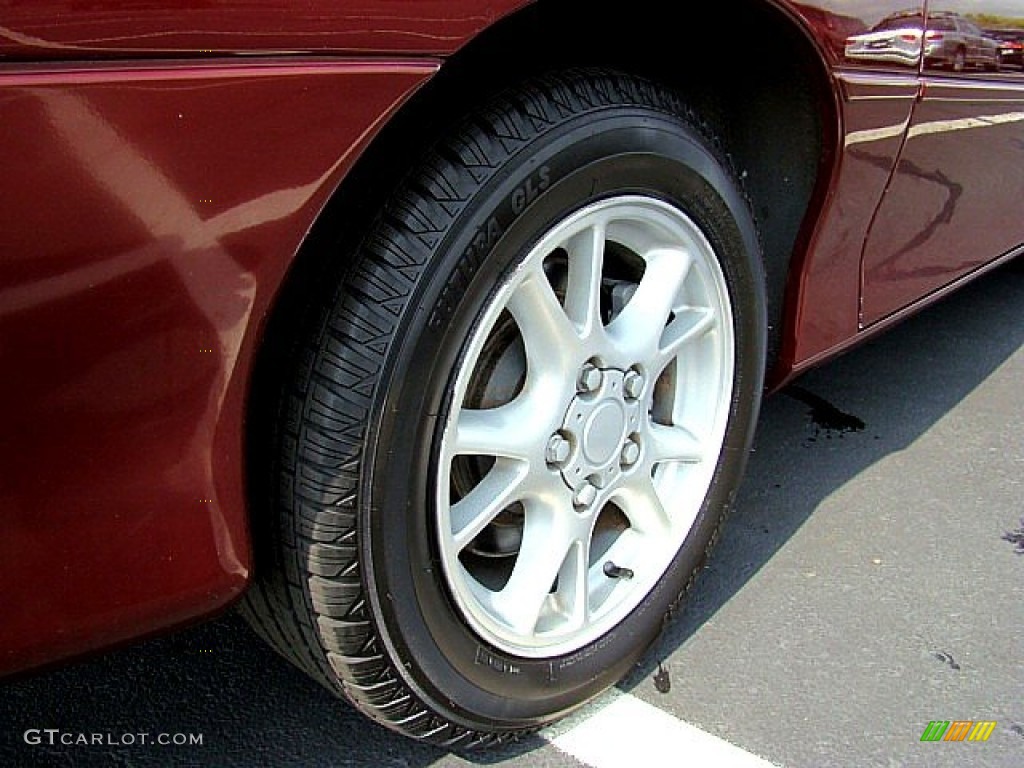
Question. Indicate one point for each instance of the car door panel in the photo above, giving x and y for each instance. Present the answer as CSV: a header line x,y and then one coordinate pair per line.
x,y
954,201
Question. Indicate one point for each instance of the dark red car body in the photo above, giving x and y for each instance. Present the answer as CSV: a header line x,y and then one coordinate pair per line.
x,y
163,163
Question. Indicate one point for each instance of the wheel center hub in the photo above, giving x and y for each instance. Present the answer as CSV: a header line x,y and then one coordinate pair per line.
x,y
598,424
603,431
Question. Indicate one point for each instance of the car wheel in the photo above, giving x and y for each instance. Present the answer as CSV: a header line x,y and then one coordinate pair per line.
x,y
514,429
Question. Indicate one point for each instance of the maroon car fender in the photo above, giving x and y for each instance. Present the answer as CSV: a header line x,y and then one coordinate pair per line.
x,y
62,30
872,104
148,218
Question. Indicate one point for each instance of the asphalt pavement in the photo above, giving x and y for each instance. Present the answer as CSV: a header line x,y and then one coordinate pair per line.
x,y
869,581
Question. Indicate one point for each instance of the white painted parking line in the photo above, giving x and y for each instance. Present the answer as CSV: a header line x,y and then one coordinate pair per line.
x,y
621,730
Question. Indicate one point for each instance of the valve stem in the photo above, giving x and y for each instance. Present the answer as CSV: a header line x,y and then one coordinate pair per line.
x,y
612,571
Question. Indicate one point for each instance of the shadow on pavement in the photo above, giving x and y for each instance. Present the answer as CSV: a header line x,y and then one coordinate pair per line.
x,y
836,421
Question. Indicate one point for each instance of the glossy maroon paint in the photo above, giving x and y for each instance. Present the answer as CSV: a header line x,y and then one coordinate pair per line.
x,y
954,200
150,211
871,103
70,29
148,218
827,273
869,250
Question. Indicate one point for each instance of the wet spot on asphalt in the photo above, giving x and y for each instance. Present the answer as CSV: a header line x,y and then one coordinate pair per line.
x,y
826,417
1016,537
947,659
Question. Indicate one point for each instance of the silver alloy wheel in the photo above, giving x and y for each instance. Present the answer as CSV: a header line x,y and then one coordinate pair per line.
x,y
587,419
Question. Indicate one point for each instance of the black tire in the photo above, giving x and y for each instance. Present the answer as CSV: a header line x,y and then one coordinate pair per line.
x,y
354,592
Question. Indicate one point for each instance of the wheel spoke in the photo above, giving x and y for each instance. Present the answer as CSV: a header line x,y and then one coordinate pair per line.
x,y
689,324
472,513
541,556
640,325
583,292
643,507
511,430
673,443
548,334
572,595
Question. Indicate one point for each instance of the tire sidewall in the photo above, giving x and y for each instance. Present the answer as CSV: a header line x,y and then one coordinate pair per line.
x,y
625,150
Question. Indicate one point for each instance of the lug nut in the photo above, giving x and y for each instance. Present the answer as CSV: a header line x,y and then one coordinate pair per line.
x,y
558,450
630,453
585,496
590,378
633,385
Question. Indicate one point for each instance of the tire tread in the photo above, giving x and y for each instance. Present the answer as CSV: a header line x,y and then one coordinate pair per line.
x,y
311,604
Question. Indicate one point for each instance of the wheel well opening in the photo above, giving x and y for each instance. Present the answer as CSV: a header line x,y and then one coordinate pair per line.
x,y
749,73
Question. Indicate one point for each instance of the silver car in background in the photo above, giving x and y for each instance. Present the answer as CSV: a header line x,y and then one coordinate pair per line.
x,y
953,42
